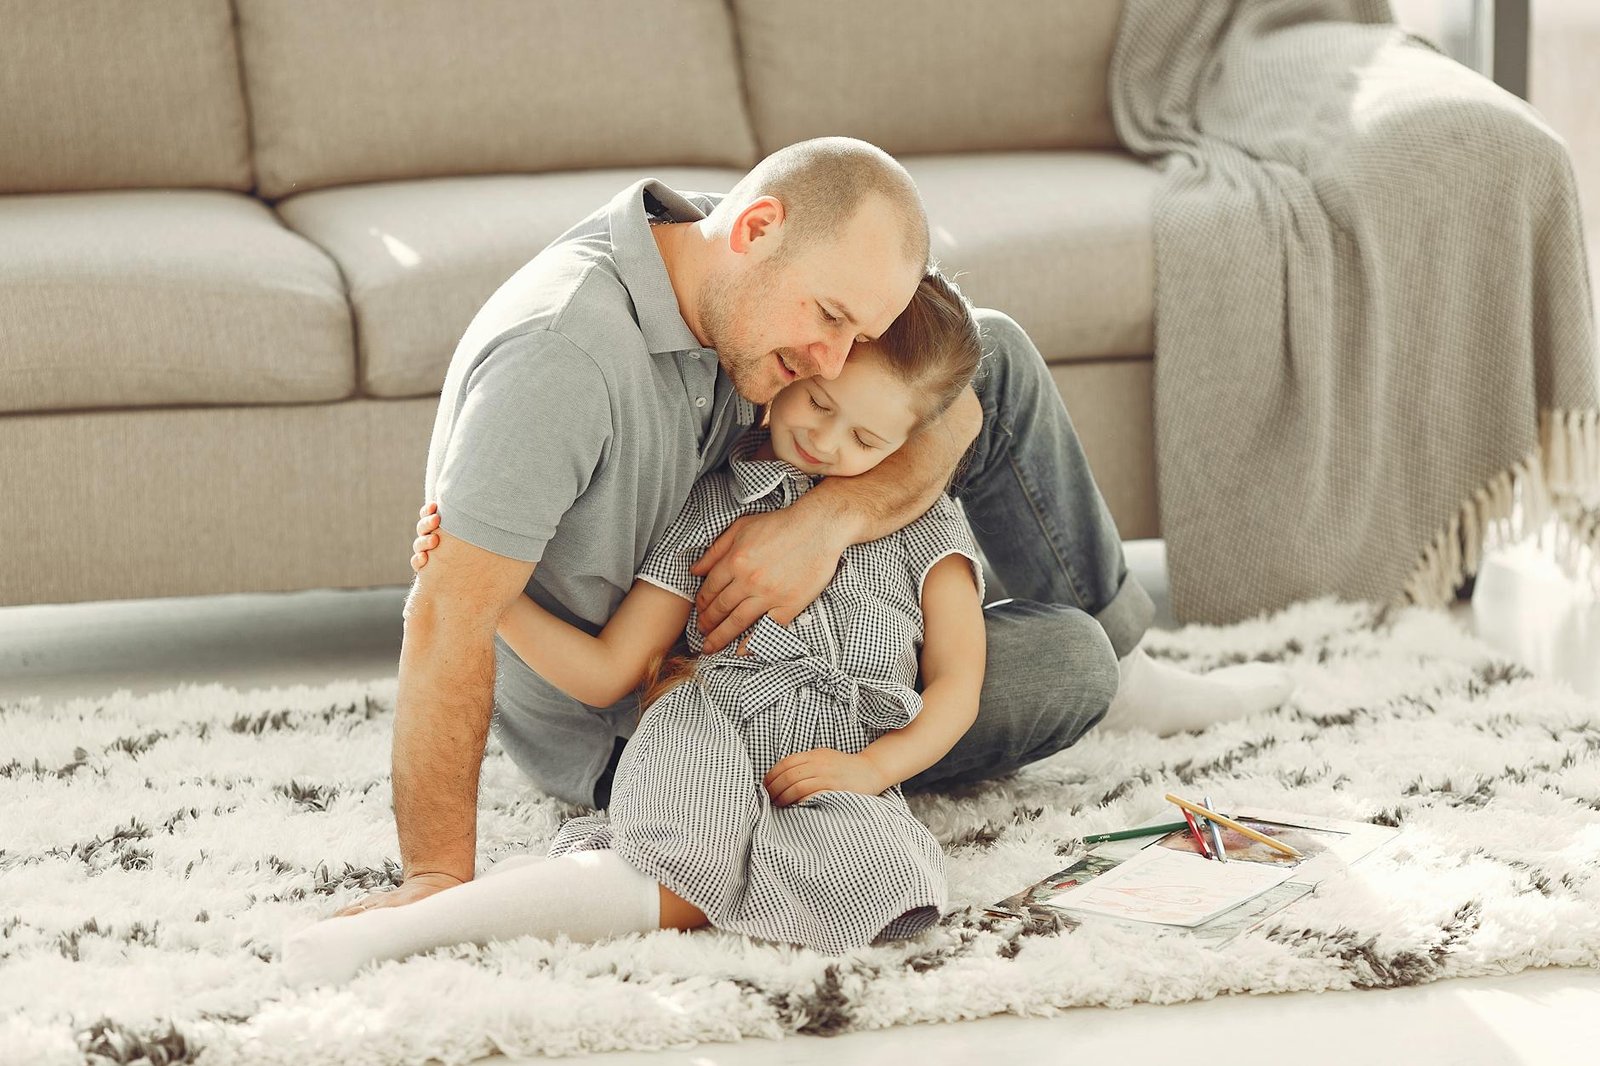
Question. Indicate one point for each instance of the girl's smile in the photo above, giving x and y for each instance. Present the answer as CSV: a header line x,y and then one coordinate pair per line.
x,y
807,456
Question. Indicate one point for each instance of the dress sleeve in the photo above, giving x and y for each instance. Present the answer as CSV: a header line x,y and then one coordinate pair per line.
x,y
703,518
941,531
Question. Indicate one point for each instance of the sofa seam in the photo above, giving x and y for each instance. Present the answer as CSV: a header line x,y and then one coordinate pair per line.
x,y
744,82
244,99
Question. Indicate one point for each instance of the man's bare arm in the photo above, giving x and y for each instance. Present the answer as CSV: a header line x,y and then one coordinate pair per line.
x,y
778,562
445,699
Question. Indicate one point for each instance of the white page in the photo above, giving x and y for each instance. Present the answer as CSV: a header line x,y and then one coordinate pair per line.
x,y
1172,887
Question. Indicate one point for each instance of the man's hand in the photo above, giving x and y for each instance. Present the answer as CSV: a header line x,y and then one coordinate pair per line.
x,y
415,887
774,563
794,778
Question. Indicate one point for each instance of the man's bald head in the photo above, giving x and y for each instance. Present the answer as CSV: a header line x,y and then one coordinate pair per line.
x,y
822,243
821,184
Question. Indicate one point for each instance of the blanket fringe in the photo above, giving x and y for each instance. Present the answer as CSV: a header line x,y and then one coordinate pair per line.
x,y
1552,493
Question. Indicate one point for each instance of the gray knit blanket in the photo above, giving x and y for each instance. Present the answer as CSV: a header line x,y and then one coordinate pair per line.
x,y
1374,333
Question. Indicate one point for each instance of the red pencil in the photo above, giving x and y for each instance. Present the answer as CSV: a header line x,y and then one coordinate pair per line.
x,y
1199,837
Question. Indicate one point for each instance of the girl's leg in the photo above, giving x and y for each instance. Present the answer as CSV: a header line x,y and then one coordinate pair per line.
x,y
679,913
676,912
584,895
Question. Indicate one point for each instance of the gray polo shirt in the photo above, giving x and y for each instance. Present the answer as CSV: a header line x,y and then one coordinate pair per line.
x,y
579,409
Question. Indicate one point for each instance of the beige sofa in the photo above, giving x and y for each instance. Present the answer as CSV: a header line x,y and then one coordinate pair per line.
x,y
240,240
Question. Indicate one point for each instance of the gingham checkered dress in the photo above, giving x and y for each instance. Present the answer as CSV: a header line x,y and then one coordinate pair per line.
x,y
837,870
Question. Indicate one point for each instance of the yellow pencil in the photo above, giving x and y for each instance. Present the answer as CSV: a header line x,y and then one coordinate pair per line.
x,y
1235,826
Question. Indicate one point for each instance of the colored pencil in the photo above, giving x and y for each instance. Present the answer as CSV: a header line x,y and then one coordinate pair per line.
x,y
1130,834
1199,837
1235,826
1216,834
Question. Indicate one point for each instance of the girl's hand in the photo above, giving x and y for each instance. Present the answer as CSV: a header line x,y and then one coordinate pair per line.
x,y
427,539
797,776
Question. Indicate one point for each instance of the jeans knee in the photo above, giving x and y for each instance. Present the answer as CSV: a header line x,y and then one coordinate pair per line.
x,y
1012,382
1086,675
1010,363
1000,330
1097,661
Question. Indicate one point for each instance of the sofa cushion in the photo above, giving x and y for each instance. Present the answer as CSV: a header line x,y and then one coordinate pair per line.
x,y
930,75
120,94
1061,241
371,90
346,477
420,257
123,299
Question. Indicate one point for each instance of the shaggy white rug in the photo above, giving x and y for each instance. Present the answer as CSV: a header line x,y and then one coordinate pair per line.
x,y
155,851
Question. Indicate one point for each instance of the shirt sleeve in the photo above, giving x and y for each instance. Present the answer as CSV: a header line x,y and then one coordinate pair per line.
x,y
532,426
941,531
704,516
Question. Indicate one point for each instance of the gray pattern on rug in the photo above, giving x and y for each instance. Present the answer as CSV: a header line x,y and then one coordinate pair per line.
x,y
155,851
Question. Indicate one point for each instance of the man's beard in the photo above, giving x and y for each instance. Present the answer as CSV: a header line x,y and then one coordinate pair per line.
x,y
727,308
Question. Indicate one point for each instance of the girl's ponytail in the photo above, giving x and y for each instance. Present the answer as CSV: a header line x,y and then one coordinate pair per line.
x,y
662,674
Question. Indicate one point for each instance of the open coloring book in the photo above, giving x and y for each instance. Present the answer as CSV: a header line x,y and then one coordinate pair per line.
x,y
1164,880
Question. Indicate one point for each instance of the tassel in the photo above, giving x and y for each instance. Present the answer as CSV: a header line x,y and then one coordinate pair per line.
x,y
1542,495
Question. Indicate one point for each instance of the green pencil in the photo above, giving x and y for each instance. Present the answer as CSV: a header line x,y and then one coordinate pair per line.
x,y
1129,834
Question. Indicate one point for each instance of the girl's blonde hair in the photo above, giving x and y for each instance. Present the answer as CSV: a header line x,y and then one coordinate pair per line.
x,y
934,348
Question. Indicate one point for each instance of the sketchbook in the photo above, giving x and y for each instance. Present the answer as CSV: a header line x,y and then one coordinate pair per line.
x,y
1163,880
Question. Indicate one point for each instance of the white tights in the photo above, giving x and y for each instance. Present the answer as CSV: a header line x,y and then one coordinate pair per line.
x,y
586,895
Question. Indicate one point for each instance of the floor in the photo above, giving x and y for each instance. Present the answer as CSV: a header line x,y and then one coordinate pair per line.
x,y
1522,605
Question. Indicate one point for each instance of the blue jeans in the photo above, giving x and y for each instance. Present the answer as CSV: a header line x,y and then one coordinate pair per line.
x,y
1050,541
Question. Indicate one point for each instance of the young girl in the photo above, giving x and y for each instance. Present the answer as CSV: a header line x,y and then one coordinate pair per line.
x,y
760,792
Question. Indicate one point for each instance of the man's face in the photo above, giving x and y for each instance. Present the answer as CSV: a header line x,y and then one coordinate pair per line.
x,y
775,319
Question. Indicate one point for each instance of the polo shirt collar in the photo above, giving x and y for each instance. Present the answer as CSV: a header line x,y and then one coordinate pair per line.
x,y
641,269
756,479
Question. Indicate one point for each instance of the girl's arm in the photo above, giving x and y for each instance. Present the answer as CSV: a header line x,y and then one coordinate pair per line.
x,y
599,670
954,652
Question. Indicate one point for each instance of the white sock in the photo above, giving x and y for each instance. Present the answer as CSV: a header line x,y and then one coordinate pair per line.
x,y
586,895
1165,700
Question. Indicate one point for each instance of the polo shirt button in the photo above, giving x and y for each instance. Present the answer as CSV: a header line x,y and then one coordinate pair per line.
x,y
804,618
700,401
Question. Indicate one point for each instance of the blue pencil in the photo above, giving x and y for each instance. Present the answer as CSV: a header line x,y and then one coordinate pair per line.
x,y
1216,831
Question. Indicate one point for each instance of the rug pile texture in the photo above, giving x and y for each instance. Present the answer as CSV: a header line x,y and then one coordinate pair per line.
x,y
154,852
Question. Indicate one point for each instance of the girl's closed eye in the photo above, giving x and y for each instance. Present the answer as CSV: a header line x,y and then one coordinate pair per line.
x,y
857,436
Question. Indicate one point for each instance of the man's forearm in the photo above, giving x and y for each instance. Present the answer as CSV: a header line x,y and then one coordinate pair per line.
x,y
442,711
900,489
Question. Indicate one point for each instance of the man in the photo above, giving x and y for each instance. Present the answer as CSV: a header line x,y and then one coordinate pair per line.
x,y
620,364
